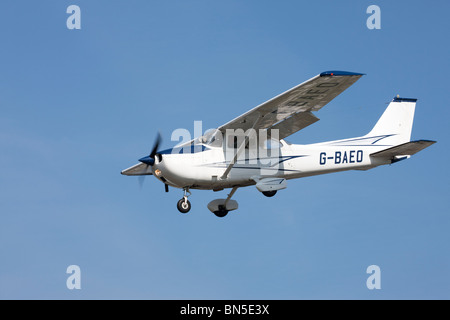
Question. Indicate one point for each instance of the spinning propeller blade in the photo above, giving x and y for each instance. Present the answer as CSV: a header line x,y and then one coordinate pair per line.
x,y
150,159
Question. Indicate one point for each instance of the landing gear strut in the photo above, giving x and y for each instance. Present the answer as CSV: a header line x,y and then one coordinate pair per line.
x,y
183,204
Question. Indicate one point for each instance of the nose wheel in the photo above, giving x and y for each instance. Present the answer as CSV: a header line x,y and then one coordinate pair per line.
x,y
183,205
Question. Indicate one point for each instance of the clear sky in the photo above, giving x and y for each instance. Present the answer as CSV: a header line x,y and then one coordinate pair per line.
x,y
79,106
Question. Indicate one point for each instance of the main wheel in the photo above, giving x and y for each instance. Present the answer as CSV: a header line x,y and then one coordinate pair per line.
x,y
270,193
183,206
222,212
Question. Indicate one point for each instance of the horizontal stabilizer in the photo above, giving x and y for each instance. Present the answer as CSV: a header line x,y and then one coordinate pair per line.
x,y
405,149
140,169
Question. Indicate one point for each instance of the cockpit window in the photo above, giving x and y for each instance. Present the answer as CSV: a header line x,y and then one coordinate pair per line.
x,y
212,137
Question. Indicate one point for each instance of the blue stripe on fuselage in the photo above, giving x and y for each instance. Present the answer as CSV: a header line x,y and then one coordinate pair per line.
x,y
186,149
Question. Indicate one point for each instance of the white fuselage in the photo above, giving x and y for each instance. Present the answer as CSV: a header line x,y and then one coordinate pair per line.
x,y
203,167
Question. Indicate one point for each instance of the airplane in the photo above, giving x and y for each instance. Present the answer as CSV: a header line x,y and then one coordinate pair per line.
x,y
251,149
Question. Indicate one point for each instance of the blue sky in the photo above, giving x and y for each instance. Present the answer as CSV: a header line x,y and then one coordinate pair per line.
x,y
79,106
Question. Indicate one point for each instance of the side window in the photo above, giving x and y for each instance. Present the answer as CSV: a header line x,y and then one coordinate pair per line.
x,y
232,142
272,144
235,142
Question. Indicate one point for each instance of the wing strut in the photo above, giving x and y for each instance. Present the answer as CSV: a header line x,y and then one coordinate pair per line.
x,y
240,149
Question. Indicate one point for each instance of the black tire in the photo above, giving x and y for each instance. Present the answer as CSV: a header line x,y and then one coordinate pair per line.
x,y
183,206
270,193
222,212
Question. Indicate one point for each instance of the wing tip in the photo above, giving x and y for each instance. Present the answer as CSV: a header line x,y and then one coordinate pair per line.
x,y
340,73
399,99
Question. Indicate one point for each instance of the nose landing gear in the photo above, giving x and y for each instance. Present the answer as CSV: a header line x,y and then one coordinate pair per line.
x,y
183,204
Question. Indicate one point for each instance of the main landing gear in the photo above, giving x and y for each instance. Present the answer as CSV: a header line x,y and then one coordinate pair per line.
x,y
183,204
269,193
220,207
221,212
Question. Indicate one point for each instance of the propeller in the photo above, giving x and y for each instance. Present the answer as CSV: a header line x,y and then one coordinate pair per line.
x,y
141,180
150,159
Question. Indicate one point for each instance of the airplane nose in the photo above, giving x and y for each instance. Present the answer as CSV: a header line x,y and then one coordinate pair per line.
x,y
147,160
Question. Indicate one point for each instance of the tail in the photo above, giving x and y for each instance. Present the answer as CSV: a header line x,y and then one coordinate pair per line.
x,y
391,136
394,129
395,125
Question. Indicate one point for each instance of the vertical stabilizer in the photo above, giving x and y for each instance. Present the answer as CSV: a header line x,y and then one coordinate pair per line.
x,y
396,122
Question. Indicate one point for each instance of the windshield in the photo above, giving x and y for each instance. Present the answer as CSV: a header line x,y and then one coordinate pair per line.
x,y
212,137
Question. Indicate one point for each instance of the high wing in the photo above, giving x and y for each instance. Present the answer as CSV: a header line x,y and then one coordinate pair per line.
x,y
290,111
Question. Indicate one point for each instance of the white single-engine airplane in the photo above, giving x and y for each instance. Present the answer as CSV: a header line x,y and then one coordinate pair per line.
x,y
251,150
